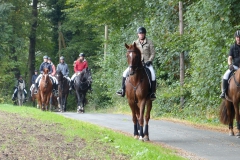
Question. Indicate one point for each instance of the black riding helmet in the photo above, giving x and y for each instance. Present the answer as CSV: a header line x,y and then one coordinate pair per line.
x,y
81,55
141,30
237,33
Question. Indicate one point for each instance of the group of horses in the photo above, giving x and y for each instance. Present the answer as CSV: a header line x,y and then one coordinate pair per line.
x,y
46,99
137,92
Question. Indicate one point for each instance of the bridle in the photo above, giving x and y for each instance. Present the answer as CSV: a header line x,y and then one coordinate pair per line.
x,y
137,67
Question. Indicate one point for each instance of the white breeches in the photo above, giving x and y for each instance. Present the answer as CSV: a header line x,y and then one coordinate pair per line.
x,y
226,74
54,79
73,76
126,72
68,78
32,86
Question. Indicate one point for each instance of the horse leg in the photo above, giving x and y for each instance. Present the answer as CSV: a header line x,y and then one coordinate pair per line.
x,y
135,121
83,103
147,117
236,107
230,116
78,101
141,120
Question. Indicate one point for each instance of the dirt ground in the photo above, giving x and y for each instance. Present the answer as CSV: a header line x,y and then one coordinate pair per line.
x,y
27,138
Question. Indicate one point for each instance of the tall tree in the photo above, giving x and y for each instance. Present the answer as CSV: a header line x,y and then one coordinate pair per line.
x,y
32,40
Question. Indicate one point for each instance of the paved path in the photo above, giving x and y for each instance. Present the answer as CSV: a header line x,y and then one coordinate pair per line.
x,y
205,144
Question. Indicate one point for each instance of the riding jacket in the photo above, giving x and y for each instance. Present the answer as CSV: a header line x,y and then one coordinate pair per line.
x,y
79,66
34,77
45,65
19,81
147,49
235,53
64,68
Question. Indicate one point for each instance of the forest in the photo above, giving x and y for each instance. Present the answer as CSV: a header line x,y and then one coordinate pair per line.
x,y
31,29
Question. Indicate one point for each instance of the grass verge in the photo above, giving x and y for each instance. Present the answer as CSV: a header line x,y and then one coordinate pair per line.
x,y
101,143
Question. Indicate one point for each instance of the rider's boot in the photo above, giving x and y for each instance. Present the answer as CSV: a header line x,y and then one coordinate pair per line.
x,y
14,96
224,89
153,90
121,92
36,88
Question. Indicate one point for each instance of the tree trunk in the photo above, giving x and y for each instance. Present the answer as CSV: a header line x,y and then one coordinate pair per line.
x,y
32,39
182,53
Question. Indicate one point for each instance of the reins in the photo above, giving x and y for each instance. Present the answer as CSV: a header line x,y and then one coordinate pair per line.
x,y
237,83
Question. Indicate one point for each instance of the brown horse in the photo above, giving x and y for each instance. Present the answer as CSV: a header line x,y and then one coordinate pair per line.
x,y
63,91
229,108
45,90
137,91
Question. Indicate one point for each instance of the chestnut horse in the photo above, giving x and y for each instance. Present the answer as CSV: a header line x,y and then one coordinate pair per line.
x,y
45,90
137,92
229,108
63,91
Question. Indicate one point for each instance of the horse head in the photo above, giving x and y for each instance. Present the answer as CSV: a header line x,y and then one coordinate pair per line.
x,y
133,58
45,77
20,86
59,75
45,70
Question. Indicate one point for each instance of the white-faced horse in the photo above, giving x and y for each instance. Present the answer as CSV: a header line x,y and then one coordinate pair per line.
x,y
20,95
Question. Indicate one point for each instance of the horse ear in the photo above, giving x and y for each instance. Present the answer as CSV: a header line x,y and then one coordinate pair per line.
x,y
127,46
134,44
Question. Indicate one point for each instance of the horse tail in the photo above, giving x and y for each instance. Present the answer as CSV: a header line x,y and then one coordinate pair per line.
x,y
223,116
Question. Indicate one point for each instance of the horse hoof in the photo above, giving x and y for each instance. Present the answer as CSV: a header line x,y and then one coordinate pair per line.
x,y
238,134
231,134
146,138
141,138
136,137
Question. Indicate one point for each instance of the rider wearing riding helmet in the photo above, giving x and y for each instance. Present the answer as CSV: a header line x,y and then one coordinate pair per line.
x,y
53,66
53,75
45,64
20,80
34,77
148,52
81,63
63,67
233,62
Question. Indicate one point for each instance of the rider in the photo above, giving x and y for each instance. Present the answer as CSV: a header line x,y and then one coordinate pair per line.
x,y
53,66
148,52
233,62
63,67
81,63
45,64
53,75
34,77
20,80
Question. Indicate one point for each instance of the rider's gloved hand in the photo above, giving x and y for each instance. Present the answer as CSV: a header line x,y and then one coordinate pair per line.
x,y
231,67
148,63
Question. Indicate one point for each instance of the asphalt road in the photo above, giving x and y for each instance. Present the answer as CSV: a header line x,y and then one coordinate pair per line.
x,y
204,144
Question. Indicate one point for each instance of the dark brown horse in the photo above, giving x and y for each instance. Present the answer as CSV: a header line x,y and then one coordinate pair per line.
x,y
137,91
45,90
81,85
229,108
63,91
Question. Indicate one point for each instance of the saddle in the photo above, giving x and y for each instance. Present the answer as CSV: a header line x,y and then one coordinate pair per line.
x,y
50,79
